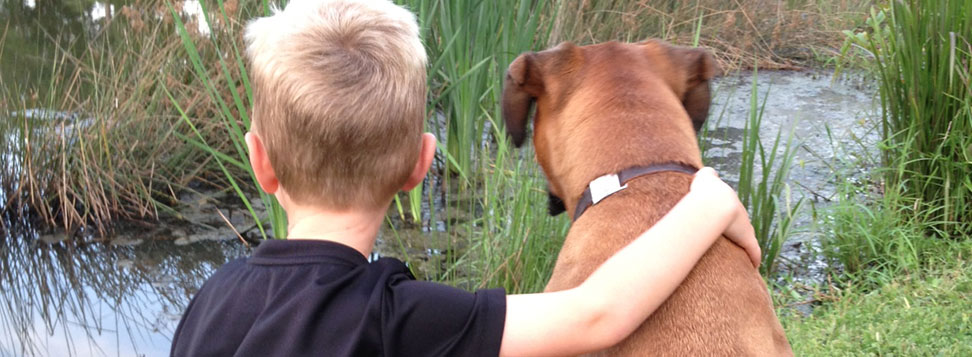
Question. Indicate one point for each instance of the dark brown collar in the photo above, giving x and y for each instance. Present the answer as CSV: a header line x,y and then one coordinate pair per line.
x,y
607,185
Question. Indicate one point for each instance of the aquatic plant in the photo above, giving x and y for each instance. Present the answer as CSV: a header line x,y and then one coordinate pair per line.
x,y
918,313
922,55
89,141
764,172
139,152
228,86
766,195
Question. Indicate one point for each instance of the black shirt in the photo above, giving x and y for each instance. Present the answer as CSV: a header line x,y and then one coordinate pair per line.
x,y
319,298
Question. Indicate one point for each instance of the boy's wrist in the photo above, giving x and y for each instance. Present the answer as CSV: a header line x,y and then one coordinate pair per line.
x,y
717,210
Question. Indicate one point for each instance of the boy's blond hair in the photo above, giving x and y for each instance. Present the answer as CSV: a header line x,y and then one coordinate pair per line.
x,y
339,98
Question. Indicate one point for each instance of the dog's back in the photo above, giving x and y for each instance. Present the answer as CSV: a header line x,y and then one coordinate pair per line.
x,y
721,309
607,107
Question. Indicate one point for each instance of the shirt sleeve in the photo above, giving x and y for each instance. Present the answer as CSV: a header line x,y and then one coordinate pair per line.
x,y
428,319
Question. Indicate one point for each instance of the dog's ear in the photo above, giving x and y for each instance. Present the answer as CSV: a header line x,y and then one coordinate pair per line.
x,y
520,89
700,67
524,82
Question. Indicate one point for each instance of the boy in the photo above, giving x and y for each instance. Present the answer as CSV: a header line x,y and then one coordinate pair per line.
x,y
339,89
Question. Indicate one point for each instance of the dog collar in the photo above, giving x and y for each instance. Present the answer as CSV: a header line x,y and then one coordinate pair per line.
x,y
610,184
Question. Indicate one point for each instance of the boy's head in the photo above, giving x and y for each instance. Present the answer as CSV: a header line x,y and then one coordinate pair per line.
x,y
339,99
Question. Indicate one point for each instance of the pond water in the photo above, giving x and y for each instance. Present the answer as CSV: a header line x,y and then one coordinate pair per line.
x,y
835,126
98,299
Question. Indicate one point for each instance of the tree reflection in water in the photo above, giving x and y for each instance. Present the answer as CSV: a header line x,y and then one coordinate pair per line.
x,y
97,299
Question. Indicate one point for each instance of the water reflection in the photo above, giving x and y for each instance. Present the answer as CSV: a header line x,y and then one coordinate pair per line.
x,y
98,299
34,31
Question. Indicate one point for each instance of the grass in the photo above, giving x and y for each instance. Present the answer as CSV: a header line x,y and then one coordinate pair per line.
x,y
505,237
920,313
469,44
139,154
873,233
897,237
889,221
167,106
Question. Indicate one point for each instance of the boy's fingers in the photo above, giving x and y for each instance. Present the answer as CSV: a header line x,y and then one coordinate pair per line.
x,y
703,177
754,255
755,252
707,171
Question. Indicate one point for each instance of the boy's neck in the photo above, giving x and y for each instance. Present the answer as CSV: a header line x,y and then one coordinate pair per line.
x,y
356,229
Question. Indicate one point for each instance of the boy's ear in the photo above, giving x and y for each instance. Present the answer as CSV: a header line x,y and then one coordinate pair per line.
x,y
260,163
424,162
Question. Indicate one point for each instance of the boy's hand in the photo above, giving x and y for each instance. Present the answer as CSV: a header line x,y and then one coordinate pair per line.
x,y
708,185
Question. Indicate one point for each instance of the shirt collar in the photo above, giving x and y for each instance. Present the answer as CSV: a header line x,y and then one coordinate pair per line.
x,y
305,251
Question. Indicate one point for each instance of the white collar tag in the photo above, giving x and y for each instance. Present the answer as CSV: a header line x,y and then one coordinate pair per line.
x,y
605,186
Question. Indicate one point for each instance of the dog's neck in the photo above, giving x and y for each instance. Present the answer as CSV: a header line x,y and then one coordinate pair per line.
x,y
621,153
607,185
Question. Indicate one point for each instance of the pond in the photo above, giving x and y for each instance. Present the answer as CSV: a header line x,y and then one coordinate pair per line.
x,y
835,125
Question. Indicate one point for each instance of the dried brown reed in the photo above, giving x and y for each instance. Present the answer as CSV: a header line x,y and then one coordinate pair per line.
x,y
773,34
119,155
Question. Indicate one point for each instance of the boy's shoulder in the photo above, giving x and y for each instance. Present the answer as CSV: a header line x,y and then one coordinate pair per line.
x,y
295,298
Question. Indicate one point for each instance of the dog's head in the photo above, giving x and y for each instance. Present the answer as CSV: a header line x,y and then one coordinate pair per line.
x,y
594,93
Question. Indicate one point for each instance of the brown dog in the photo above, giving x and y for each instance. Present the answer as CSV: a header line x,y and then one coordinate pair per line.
x,y
604,108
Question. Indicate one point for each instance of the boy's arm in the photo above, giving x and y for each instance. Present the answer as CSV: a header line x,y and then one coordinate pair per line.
x,y
629,286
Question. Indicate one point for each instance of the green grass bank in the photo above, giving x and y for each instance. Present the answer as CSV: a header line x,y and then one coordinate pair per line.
x,y
921,313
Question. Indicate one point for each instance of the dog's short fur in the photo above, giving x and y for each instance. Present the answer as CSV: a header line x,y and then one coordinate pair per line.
x,y
606,107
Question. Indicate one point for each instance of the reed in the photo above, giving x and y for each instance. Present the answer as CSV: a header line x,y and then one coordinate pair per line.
x,y
182,118
221,73
180,90
518,242
873,235
773,35
89,143
763,178
469,44
506,241
922,55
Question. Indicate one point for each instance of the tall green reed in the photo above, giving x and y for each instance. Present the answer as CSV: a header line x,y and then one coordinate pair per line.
x,y
922,55
519,240
763,186
469,44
